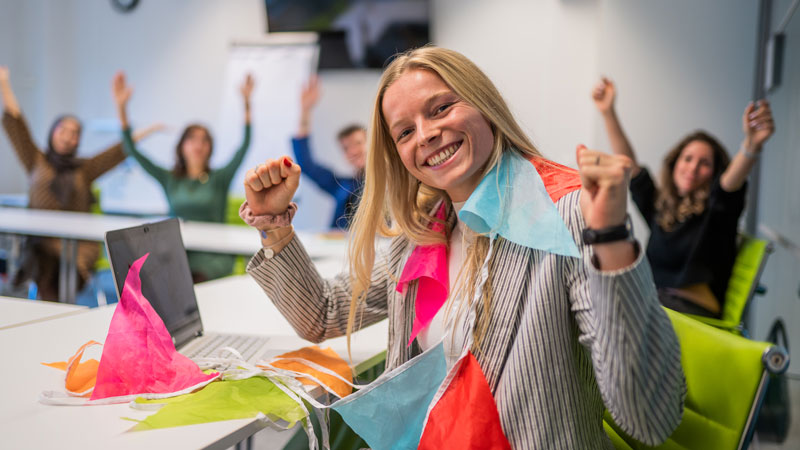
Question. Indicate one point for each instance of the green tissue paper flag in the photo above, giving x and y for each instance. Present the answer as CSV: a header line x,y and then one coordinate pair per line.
x,y
224,400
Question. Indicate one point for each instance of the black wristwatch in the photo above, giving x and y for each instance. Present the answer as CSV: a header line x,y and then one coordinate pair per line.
x,y
608,234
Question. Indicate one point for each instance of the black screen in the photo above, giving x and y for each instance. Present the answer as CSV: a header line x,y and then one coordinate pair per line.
x,y
166,278
354,33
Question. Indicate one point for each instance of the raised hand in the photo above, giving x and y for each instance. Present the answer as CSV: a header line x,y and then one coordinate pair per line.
x,y
9,100
270,187
147,131
605,181
120,89
310,94
604,197
247,87
603,95
757,125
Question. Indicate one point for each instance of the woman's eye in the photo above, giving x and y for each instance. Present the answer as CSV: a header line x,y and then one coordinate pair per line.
x,y
403,134
443,107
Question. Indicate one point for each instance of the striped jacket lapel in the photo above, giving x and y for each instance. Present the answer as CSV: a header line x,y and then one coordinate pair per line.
x,y
510,281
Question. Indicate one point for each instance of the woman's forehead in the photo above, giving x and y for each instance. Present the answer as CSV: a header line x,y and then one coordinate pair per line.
x,y
698,148
69,123
414,89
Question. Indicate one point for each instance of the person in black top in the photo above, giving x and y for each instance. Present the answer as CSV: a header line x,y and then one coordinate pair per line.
x,y
694,212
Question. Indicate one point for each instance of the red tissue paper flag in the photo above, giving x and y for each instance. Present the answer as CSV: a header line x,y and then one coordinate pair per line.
x,y
465,417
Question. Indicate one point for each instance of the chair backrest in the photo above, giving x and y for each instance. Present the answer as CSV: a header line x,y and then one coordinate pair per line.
x,y
750,261
726,377
232,213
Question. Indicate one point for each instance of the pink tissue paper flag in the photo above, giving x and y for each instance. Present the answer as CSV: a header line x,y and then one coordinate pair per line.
x,y
428,264
139,356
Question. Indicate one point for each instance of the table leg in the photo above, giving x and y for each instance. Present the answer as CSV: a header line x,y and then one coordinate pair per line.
x,y
68,271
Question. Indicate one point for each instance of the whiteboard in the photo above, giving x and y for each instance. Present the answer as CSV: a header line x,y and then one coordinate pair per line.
x,y
280,71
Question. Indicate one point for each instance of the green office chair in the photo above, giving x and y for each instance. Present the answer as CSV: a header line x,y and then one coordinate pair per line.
x,y
726,378
743,285
232,218
102,260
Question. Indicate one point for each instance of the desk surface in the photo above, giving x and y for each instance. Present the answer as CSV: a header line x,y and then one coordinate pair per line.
x,y
232,304
200,236
15,312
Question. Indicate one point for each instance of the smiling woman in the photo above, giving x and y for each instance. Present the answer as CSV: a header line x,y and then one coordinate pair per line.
x,y
694,214
442,140
194,190
486,278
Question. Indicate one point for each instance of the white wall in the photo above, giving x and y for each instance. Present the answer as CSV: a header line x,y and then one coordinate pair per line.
x,y
779,203
63,53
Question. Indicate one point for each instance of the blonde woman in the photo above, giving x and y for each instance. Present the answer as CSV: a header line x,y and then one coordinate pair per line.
x,y
561,329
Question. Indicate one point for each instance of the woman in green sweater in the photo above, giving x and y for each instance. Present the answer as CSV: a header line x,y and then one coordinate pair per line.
x,y
194,191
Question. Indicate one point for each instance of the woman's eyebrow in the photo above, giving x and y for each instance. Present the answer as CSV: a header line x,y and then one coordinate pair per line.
x,y
427,104
435,97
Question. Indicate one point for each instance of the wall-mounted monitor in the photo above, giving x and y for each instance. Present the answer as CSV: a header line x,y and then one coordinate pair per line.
x,y
354,33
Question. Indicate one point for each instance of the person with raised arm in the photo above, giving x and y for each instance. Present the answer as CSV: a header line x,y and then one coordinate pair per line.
x,y
353,143
193,189
59,180
693,213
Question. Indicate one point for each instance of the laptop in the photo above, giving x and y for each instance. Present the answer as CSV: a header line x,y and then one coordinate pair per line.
x,y
167,284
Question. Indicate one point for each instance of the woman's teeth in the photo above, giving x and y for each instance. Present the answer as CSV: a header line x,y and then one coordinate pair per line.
x,y
443,156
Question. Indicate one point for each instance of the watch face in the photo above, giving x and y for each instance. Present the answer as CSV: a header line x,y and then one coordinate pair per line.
x,y
125,5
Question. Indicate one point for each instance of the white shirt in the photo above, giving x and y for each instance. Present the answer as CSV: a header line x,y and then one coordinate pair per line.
x,y
435,330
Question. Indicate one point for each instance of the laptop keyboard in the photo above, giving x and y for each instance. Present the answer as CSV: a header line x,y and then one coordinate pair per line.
x,y
246,345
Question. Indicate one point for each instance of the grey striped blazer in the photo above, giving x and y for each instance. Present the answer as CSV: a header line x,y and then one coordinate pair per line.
x,y
564,341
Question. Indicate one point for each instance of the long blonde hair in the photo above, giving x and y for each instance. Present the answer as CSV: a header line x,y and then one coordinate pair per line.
x,y
393,196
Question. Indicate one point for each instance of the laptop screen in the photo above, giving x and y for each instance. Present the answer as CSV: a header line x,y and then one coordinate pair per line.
x,y
166,278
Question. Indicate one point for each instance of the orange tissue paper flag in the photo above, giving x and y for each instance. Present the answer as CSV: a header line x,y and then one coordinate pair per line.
x,y
324,357
81,375
139,357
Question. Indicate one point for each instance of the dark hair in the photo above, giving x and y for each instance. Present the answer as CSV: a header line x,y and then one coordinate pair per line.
x,y
348,130
55,125
671,206
180,162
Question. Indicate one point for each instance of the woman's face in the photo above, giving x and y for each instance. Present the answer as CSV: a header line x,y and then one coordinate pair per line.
x,y
442,140
694,167
66,136
196,148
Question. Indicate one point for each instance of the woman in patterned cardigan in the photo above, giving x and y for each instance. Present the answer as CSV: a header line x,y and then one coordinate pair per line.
x,y
59,180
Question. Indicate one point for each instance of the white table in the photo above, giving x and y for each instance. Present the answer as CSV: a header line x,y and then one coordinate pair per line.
x,y
16,312
232,304
199,236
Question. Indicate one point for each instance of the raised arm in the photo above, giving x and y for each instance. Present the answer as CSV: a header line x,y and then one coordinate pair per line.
x,y
634,349
603,95
110,157
16,128
758,126
318,309
9,100
122,92
229,170
308,99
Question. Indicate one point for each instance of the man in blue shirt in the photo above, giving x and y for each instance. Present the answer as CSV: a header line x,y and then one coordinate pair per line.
x,y
353,141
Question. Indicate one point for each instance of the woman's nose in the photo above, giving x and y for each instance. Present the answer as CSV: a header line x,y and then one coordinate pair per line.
x,y
428,132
